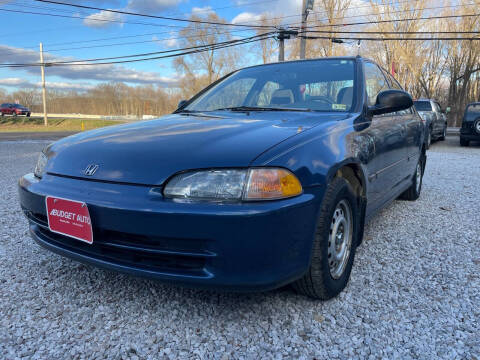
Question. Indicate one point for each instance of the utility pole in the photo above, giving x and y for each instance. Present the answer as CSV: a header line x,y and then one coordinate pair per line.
x,y
307,5
281,47
44,91
282,35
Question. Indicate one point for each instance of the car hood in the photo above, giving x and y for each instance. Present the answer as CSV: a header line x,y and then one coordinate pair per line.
x,y
149,152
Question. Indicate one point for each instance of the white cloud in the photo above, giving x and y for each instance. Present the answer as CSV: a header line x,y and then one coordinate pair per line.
x,y
118,73
18,82
278,9
170,42
23,83
149,6
202,11
102,19
246,17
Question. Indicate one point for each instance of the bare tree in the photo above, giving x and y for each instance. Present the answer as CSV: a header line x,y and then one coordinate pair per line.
x,y
200,69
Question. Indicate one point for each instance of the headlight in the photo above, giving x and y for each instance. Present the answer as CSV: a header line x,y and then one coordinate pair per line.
x,y
40,167
232,184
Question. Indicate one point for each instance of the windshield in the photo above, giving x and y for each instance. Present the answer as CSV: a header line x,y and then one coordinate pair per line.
x,y
323,85
423,105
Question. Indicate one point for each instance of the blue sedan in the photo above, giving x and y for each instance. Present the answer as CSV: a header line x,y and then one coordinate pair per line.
x,y
265,178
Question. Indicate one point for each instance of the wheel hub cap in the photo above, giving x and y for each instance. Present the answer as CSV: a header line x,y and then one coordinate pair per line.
x,y
340,239
418,176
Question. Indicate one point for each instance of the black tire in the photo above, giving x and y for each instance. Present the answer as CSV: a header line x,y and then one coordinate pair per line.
x,y
428,140
476,126
444,133
413,192
28,114
464,142
318,282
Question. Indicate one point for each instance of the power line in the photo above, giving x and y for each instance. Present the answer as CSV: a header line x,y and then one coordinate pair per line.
x,y
197,21
165,51
396,20
393,38
12,53
377,13
191,50
392,32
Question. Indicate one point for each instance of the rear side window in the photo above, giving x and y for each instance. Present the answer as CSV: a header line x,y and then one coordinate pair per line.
x,y
422,105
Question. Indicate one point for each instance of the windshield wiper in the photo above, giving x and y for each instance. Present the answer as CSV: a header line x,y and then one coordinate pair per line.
x,y
260,108
185,111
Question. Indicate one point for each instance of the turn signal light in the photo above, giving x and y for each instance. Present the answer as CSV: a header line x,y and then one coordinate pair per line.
x,y
264,184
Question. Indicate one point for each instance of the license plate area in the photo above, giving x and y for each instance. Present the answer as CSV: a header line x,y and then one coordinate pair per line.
x,y
70,218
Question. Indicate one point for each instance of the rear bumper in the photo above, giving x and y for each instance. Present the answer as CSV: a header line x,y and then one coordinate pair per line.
x,y
470,137
468,132
254,246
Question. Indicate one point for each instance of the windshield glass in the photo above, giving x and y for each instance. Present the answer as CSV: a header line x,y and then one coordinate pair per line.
x,y
423,105
323,85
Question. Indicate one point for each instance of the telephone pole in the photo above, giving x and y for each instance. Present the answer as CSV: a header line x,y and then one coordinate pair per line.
x,y
307,5
281,47
44,91
282,35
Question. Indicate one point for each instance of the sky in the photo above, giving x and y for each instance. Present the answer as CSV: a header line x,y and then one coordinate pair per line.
x,y
66,38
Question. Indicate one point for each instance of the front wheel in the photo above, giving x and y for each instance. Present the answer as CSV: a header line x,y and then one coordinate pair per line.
x,y
334,244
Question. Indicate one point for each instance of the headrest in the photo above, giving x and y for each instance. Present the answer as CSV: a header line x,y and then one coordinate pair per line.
x,y
345,96
282,96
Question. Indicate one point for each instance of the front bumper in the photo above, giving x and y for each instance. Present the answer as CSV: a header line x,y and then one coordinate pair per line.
x,y
248,246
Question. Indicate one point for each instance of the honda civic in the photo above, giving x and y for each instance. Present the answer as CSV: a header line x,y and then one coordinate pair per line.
x,y
267,177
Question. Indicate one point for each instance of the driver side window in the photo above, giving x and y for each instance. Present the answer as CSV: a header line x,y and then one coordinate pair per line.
x,y
375,82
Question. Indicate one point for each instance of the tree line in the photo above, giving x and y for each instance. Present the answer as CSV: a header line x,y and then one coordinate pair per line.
x,y
448,71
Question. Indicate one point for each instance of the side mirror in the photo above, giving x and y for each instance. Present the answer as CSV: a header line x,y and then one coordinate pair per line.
x,y
181,104
448,109
389,101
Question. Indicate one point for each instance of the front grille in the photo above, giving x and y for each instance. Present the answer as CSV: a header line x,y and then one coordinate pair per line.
x,y
166,255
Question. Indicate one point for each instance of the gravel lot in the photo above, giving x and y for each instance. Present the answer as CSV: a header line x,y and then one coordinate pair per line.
x,y
414,291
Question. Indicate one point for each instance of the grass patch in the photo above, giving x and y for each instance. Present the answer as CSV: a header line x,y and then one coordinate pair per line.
x,y
24,124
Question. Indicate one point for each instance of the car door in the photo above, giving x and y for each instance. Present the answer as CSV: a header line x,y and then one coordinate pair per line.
x,y
413,132
389,136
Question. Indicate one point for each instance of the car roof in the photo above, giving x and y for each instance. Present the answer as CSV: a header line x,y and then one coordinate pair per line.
x,y
423,99
355,58
474,103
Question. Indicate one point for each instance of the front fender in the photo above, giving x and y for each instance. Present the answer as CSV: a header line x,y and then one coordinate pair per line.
x,y
316,155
